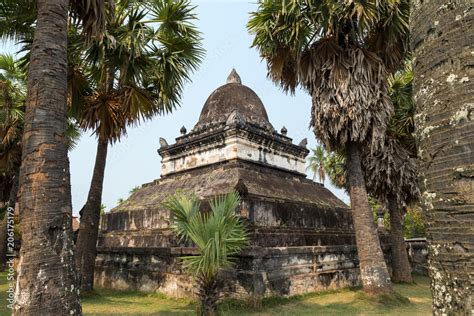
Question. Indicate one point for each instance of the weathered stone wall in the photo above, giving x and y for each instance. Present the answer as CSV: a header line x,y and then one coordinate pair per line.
x,y
280,223
272,223
296,248
233,147
258,272
418,255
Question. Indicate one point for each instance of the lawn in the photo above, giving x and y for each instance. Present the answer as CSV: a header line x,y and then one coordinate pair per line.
x,y
342,302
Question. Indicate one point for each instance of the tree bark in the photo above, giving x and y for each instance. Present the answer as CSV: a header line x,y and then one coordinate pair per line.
x,y
46,279
401,270
3,224
442,41
86,250
373,269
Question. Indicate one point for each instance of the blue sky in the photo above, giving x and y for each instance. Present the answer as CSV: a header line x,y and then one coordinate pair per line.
x,y
135,161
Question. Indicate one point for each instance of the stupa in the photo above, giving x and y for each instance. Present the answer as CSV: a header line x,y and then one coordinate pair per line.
x,y
302,237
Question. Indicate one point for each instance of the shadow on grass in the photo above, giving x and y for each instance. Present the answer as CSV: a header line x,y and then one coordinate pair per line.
x,y
313,303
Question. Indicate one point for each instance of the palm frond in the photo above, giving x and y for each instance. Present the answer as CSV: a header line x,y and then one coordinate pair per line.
x,y
150,48
341,52
73,134
91,15
17,19
392,170
218,234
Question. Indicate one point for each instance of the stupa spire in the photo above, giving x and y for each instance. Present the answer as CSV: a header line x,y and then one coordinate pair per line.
x,y
233,77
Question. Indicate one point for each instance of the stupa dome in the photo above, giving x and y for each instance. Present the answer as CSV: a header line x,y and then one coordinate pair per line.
x,y
231,97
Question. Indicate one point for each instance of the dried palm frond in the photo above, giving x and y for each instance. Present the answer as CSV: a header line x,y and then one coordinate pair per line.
x,y
350,94
91,15
391,171
104,115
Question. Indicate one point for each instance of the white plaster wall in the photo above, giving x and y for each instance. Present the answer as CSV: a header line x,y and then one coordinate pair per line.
x,y
234,148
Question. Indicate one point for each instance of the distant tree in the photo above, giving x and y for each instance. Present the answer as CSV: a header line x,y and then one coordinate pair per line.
x,y
102,209
12,113
341,52
134,73
335,168
414,223
218,235
316,163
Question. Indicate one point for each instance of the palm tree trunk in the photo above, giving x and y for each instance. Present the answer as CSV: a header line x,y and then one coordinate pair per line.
x,y
401,270
208,295
442,41
46,279
86,251
3,224
373,270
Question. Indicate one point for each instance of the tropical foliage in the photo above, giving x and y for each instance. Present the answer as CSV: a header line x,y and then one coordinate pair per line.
x,y
12,116
12,98
316,163
18,18
218,235
148,53
341,53
414,223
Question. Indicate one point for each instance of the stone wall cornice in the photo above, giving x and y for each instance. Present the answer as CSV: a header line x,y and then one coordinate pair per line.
x,y
215,137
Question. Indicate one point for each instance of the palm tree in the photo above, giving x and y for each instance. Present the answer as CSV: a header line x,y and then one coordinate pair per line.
x,y
137,71
442,41
391,177
335,168
391,174
12,112
46,275
316,163
341,52
12,96
218,235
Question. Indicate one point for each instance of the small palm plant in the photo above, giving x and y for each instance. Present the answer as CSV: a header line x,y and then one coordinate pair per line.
x,y
218,235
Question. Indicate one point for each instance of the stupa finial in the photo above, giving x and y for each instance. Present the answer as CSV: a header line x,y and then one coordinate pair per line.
x,y
233,77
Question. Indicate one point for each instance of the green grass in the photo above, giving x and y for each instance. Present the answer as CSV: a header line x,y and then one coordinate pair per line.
x,y
411,299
